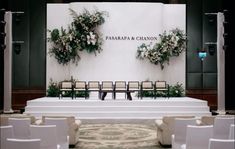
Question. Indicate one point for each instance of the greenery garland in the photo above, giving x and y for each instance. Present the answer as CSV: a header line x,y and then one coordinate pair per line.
x,y
172,44
82,34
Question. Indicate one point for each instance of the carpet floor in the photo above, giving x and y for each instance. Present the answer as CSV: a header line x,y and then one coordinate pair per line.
x,y
117,136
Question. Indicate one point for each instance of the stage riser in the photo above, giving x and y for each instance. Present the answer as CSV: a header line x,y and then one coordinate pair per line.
x,y
94,102
124,115
147,108
119,108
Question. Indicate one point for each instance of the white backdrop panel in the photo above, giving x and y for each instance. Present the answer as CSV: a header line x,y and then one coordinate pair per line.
x,y
118,60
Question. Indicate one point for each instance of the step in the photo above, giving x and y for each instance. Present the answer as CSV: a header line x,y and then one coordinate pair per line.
x,y
117,108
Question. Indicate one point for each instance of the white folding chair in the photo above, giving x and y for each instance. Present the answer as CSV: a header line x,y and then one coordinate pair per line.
x,y
197,137
20,127
6,132
221,144
231,132
23,144
222,127
47,134
180,127
62,130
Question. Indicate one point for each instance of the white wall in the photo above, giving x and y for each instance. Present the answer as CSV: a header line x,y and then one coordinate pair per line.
x,y
118,60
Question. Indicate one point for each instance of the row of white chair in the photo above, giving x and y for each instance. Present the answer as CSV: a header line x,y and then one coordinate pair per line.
x,y
188,135
52,135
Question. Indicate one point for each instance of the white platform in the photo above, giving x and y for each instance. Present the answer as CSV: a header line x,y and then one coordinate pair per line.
x,y
147,108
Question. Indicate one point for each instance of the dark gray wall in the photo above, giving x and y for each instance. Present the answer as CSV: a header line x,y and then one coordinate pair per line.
x,y
201,29
29,63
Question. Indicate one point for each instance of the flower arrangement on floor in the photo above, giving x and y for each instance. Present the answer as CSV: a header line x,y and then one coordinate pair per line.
x,y
82,34
53,89
171,44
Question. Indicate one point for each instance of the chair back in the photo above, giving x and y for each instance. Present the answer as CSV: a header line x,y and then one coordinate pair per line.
x,y
222,127
221,144
160,85
80,85
61,127
23,144
133,86
107,85
6,132
180,128
231,132
147,85
20,127
47,134
120,85
66,85
93,85
197,137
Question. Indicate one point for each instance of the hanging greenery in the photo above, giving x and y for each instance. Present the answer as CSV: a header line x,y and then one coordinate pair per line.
x,y
169,45
82,34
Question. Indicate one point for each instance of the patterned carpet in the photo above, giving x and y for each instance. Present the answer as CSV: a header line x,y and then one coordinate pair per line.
x,y
117,136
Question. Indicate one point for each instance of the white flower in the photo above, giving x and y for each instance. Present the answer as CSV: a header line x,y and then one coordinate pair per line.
x,y
70,37
91,38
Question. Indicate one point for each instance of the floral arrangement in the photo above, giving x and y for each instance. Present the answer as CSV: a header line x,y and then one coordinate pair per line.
x,y
53,89
82,34
176,90
171,44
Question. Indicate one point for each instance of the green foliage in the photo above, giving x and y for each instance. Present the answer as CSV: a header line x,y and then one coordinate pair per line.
x,y
63,47
53,89
176,90
82,94
77,94
172,44
82,34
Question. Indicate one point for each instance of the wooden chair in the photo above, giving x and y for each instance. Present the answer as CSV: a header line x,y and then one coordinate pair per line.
x,y
80,86
106,86
146,86
134,86
120,86
161,86
94,86
66,86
